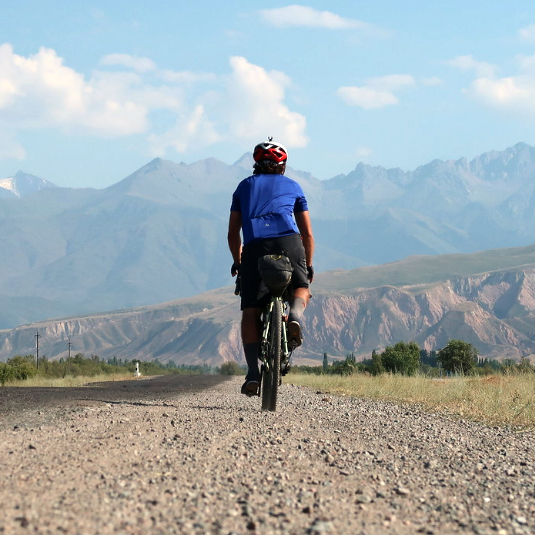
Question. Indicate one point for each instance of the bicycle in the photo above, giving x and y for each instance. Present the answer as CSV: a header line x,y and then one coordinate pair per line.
x,y
275,347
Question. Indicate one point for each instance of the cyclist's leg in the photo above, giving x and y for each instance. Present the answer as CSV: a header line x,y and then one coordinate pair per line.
x,y
251,326
250,331
251,311
298,303
293,247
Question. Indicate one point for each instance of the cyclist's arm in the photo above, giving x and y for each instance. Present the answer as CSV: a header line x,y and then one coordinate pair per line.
x,y
305,229
234,236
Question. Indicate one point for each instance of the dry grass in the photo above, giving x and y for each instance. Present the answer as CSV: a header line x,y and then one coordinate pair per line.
x,y
494,400
70,381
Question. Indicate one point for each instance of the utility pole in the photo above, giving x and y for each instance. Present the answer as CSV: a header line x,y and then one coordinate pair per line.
x,y
69,344
37,347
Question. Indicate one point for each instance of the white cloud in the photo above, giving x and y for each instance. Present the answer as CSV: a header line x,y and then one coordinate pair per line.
x,y
363,152
366,97
249,107
377,93
528,33
41,92
504,90
130,62
468,63
133,87
391,82
187,77
512,94
432,81
296,15
8,91
190,130
255,105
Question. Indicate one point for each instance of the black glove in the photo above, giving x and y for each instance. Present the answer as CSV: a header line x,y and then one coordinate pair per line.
x,y
310,273
235,269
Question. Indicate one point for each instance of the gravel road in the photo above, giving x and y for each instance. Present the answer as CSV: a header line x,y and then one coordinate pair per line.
x,y
189,455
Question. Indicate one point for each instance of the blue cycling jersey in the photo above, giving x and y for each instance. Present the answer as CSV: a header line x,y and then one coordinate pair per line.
x,y
267,204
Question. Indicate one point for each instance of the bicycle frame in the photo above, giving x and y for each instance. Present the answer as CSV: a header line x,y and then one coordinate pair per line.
x,y
275,352
264,344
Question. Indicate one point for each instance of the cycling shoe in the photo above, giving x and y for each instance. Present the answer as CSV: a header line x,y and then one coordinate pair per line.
x,y
250,388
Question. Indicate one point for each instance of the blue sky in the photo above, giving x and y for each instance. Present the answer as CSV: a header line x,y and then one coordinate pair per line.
x,y
91,91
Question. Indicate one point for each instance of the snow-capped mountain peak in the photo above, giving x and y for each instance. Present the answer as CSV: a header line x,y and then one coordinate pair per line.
x,y
22,184
9,185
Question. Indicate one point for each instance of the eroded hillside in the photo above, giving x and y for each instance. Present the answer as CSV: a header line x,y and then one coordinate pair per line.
x,y
493,311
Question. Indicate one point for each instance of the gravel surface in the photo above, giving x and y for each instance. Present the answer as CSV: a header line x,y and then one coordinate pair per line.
x,y
190,455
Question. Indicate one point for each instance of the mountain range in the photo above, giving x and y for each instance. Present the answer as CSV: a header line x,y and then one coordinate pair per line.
x,y
160,233
485,298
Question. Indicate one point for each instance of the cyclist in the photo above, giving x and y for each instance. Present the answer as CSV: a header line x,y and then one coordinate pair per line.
x,y
271,212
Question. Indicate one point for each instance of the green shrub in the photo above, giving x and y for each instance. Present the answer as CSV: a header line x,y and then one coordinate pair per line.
x,y
23,367
231,368
6,373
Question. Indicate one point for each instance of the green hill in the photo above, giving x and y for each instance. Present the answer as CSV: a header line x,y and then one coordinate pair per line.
x,y
426,269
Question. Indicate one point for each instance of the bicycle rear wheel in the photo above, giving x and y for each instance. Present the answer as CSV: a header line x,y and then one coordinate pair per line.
x,y
271,376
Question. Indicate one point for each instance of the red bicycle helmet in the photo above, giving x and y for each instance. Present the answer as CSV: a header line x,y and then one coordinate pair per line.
x,y
271,151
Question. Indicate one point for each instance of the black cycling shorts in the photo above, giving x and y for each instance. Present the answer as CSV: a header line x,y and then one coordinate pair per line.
x,y
291,246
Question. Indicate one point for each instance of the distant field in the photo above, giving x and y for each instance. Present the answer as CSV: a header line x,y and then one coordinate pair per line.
x,y
493,400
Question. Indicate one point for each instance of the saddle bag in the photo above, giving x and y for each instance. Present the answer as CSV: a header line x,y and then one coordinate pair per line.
x,y
276,272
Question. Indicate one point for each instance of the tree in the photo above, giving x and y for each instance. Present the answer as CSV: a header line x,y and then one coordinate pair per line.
x,y
377,367
325,362
488,366
403,358
428,357
458,357
344,367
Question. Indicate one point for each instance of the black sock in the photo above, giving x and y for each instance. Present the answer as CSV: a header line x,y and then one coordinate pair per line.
x,y
297,307
251,356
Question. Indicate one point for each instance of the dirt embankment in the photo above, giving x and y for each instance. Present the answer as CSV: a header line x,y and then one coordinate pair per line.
x,y
189,455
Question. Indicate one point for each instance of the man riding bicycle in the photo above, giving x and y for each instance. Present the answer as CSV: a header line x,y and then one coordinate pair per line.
x,y
271,211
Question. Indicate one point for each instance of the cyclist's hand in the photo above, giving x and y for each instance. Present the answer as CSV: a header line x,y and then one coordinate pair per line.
x,y
235,269
310,273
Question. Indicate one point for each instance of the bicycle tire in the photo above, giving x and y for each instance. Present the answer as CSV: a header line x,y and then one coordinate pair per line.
x,y
271,377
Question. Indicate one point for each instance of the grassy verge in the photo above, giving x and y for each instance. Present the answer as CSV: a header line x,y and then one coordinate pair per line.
x,y
70,381
493,400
